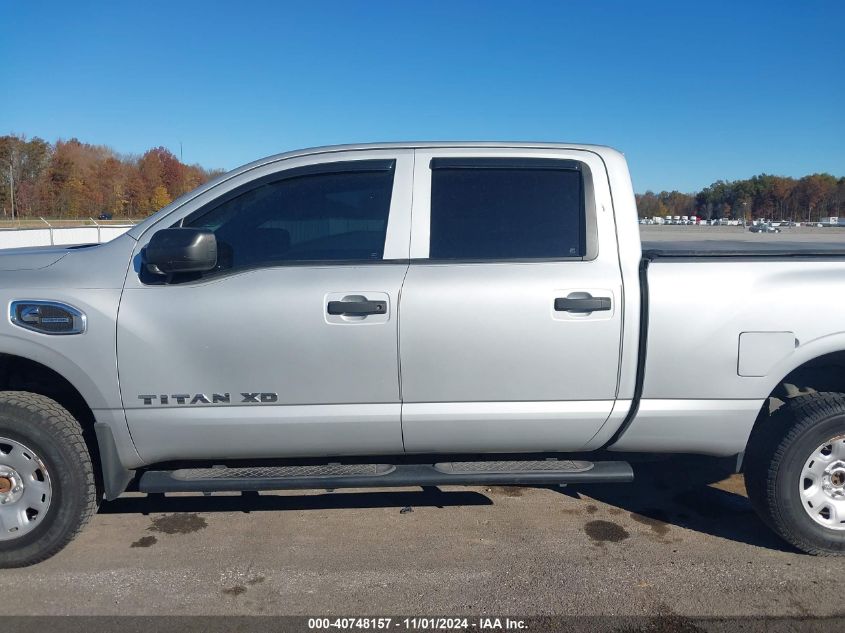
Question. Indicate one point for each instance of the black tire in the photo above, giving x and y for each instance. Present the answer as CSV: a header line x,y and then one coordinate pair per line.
x,y
45,427
778,449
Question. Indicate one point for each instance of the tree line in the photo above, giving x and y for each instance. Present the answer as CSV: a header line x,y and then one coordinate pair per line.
x,y
760,197
71,179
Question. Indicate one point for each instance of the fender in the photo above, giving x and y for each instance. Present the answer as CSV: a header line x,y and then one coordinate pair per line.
x,y
37,352
804,353
115,454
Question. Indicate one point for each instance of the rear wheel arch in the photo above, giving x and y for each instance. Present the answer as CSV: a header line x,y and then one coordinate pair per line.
x,y
782,445
816,365
823,373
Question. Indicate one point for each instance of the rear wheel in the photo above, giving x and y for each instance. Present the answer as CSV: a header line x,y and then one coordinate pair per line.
x,y
795,472
47,488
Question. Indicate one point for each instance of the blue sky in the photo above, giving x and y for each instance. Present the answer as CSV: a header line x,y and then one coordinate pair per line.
x,y
690,91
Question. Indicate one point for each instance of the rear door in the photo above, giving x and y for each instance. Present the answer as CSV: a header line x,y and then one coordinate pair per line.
x,y
510,311
288,347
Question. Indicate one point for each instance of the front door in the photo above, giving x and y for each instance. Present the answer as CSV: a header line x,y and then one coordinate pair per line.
x,y
511,309
288,347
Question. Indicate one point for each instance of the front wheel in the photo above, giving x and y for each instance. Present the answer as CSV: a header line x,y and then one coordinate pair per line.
x,y
47,487
795,472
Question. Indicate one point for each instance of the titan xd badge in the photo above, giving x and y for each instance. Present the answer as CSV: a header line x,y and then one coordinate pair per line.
x,y
257,397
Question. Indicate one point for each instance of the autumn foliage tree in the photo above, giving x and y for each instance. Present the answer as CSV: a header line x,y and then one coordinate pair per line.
x,y
760,197
71,179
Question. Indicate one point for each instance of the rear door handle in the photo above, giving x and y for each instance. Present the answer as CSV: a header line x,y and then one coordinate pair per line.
x,y
357,308
582,304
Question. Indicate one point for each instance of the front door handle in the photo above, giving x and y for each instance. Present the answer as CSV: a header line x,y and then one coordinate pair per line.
x,y
357,308
582,304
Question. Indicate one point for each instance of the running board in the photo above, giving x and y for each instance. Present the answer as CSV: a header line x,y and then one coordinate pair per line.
x,y
503,473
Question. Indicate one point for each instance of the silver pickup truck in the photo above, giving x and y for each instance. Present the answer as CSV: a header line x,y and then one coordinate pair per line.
x,y
405,315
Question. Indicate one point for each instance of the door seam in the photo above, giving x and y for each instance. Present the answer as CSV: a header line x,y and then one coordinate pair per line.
x,y
399,304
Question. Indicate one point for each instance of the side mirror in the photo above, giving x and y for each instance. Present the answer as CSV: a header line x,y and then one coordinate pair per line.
x,y
181,250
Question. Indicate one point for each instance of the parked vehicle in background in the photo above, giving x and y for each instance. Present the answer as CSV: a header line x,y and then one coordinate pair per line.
x,y
104,216
763,228
249,336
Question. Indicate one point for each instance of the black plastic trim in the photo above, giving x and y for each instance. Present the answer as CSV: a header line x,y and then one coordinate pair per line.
x,y
337,167
504,163
475,260
582,304
641,356
440,261
395,458
728,255
160,481
357,308
116,476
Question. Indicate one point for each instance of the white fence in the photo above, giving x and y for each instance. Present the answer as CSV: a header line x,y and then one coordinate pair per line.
x,y
48,236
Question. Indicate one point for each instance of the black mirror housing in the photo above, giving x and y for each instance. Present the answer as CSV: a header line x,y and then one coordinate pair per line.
x,y
181,250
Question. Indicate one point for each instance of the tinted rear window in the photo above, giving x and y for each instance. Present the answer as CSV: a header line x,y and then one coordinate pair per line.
x,y
506,213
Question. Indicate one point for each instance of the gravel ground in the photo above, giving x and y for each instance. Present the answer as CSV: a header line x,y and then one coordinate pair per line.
x,y
681,541
715,238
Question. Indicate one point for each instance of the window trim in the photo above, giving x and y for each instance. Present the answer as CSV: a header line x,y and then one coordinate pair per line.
x,y
367,165
504,162
364,165
588,227
397,242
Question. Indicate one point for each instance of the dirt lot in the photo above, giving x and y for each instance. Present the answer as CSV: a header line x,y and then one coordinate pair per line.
x,y
710,238
682,541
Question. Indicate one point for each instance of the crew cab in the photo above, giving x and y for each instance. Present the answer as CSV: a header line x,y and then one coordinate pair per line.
x,y
412,314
